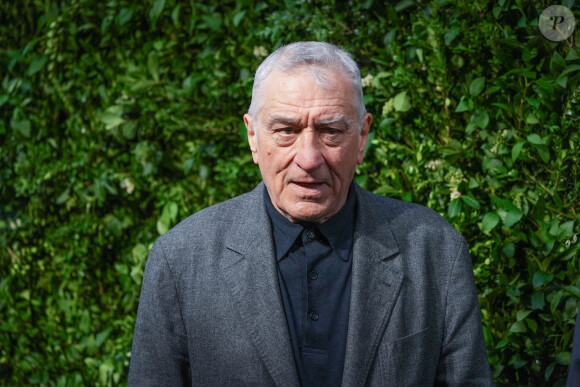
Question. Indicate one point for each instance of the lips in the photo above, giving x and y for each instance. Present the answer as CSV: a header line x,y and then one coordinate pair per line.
x,y
308,185
309,188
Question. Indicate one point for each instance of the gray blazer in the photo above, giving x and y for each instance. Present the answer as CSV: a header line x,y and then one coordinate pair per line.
x,y
211,314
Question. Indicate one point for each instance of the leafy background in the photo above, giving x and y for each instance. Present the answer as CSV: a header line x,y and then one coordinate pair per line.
x,y
120,118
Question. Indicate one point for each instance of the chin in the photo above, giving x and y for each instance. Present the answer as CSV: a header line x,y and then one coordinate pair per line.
x,y
308,212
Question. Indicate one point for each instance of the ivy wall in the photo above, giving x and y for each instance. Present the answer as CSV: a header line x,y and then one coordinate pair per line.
x,y
119,118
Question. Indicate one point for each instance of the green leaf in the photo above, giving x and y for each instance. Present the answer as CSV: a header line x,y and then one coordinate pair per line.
x,y
504,204
22,127
531,119
535,102
517,149
566,230
535,139
532,324
162,228
156,10
464,105
153,65
450,35
454,208
572,55
110,119
522,314
125,15
214,22
63,197
544,153
175,15
85,322
471,202
570,69
542,278
564,358
573,290
503,343
114,226
512,217
129,130
188,165
419,53
457,61
557,64
549,370
504,107
40,377
238,18
538,300
562,82
36,65
509,249
490,221
480,119
476,86
388,38
102,336
402,102
403,4
556,298
518,327
143,85
122,268
169,213
112,116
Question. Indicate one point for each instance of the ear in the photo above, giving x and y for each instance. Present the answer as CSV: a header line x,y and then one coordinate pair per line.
x,y
252,137
364,135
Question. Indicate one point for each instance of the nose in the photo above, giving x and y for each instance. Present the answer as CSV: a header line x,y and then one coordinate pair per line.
x,y
308,151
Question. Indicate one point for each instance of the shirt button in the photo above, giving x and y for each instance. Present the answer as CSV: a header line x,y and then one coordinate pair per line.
x,y
310,234
313,275
313,316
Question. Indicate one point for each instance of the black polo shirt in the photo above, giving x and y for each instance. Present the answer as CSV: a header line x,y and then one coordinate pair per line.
x,y
314,270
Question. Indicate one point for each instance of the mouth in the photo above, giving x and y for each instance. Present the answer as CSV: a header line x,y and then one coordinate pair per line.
x,y
309,188
307,185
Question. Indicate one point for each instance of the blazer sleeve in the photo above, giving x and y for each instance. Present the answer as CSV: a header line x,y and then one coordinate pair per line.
x,y
463,359
159,355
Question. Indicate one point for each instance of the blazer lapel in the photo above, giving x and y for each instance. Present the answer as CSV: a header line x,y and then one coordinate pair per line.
x,y
251,273
376,281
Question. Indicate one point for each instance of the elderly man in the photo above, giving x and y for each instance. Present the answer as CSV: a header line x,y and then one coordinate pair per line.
x,y
308,279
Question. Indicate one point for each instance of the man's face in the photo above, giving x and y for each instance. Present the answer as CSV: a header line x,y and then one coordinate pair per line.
x,y
307,144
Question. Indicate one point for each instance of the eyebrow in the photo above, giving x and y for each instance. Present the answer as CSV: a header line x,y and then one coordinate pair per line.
x,y
281,120
342,119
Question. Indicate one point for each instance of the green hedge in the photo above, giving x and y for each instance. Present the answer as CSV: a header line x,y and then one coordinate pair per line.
x,y
120,118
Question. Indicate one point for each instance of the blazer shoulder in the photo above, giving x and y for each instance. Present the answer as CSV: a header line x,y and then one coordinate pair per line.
x,y
400,214
213,221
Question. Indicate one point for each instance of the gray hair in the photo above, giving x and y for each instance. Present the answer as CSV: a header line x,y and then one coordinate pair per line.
x,y
317,57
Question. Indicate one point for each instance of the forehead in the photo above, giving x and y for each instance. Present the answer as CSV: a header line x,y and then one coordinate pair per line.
x,y
300,93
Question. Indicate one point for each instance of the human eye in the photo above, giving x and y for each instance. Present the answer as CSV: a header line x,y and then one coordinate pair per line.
x,y
284,135
330,130
331,135
284,131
